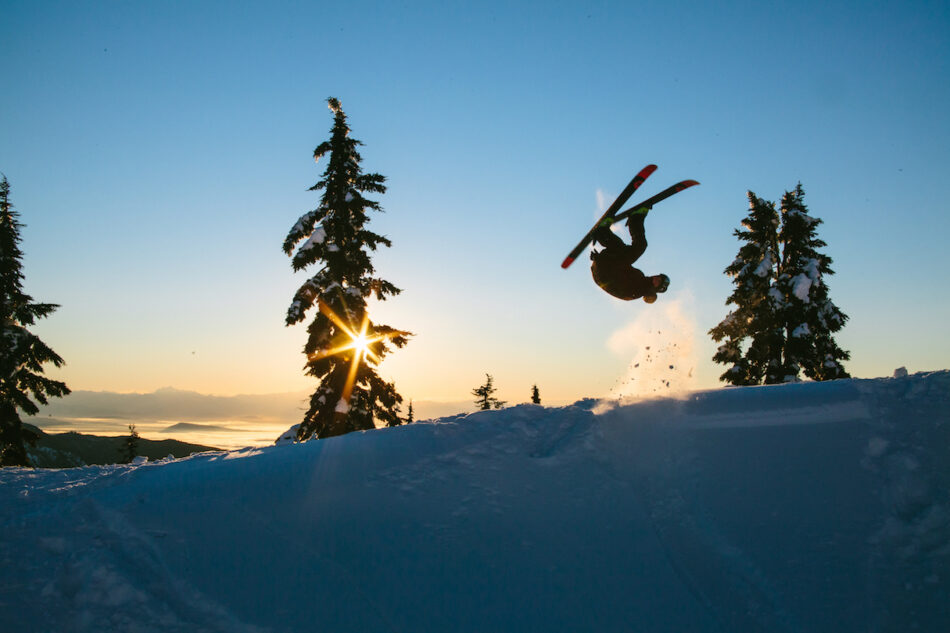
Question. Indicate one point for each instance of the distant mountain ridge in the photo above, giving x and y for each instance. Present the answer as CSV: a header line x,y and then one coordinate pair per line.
x,y
191,426
179,405
68,450
172,404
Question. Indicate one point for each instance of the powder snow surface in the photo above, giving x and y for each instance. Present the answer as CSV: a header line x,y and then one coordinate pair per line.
x,y
804,507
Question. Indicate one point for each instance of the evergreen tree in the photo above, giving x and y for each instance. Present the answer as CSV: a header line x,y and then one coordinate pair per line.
x,y
755,315
22,354
782,304
486,395
131,445
535,395
344,345
810,318
410,418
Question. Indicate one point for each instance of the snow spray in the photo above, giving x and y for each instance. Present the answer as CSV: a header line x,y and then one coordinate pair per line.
x,y
661,340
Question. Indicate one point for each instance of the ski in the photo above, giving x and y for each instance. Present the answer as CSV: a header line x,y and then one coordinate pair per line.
x,y
649,202
607,217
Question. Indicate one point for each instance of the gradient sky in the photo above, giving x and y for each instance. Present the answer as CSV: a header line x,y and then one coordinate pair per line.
x,y
160,151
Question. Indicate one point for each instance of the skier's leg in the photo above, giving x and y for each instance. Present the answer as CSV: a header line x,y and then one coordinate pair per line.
x,y
607,238
638,237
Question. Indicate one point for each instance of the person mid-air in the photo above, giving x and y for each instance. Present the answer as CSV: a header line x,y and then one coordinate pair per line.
x,y
613,268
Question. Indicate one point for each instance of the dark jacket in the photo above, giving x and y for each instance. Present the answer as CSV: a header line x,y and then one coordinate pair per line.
x,y
614,272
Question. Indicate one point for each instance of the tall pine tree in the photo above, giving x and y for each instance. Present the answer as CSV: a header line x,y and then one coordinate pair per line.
x,y
782,304
22,354
755,314
809,315
344,345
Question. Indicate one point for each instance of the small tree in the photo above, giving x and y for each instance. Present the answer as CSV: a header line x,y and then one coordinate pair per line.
x,y
409,416
485,395
344,345
22,354
130,448
535,395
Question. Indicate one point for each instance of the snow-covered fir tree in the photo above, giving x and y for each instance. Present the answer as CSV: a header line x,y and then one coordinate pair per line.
x,y
811,318
782,304
485,395
22,354
755,316
344,345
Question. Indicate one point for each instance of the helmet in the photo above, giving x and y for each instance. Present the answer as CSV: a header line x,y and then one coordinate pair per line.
x,y
664,283
649,298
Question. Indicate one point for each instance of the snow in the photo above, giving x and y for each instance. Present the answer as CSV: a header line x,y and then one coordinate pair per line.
x,y
801,331
318,237
803,217
288,437
802,507
765,266
802,283
776,294
307,219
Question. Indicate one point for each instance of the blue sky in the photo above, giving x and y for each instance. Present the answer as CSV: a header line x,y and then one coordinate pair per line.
x,y
159,152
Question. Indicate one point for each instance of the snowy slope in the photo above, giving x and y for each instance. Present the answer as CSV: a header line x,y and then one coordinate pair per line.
x,y
804,507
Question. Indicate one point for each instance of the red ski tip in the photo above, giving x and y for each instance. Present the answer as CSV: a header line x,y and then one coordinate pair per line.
x,y
567,262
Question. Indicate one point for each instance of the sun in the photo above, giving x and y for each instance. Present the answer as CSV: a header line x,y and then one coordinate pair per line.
x,y
361,344
360,341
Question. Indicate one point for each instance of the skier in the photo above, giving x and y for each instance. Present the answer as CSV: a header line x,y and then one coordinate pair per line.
x,y
613,268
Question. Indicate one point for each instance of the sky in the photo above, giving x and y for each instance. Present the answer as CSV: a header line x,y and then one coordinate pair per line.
x,y
159,152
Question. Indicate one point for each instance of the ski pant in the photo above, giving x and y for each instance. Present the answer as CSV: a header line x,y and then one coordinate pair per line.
x,y
616,248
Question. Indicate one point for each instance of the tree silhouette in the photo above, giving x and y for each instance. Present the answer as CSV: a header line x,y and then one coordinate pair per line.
x,y
130,447
783,321
485,395
22,354
535,395
344,345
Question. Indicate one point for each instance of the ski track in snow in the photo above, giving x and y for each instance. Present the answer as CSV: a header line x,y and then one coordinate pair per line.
x,y
802,507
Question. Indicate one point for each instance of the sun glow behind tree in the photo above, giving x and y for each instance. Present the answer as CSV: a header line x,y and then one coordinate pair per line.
x,y
359,348
343,345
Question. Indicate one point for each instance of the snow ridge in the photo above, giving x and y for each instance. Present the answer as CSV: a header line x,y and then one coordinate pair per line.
x,y
803,507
